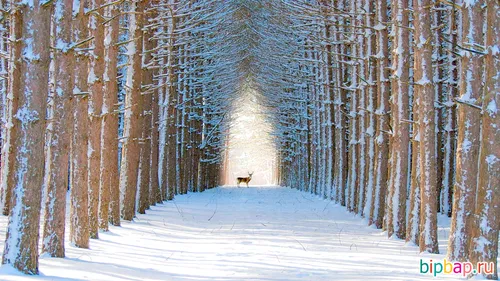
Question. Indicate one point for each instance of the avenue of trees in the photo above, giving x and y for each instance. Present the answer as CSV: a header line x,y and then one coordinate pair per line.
x,y
389,108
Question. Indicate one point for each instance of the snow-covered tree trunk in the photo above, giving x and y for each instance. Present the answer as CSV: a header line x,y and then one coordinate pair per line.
x,y
4,48
370,100
129,170
340,176
311,130
361,110
170,164
424,90
62,125
181,115
484,238
148,90
382,115
449,117
154,184
7,160
163,101
329,91
352,67
109,207
322,119
28,90
469,130
413,222
397,193
198,127
79,197
95,81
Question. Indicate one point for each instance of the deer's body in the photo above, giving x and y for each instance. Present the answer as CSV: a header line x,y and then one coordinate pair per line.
x,y
244,180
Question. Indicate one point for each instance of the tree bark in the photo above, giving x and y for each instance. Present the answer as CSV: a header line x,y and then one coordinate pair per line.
x,y
172,94
370,100
109,207
147,100
79,198
154,176
340,174
450,119
413,223
95,80
381,166
396,206
424,91
484,238
361,110
62,126
353,171
129,172
469,131
29,69
8,160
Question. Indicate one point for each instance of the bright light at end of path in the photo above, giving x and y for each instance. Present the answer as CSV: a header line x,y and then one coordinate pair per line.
x,y
251,148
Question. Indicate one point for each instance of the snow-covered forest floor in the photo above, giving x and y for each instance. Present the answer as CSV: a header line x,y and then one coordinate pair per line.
x,y
257,233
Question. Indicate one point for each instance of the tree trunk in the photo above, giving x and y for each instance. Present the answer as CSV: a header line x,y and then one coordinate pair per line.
x,y
147,100
413,224
109,207
62,125
171,112
352,178
340,175
79,212
361,111
484,239
450,119
469,131
329,115
8,160
396,205
129,172
381,166
424,91
370,100
29,70
154,176
95,80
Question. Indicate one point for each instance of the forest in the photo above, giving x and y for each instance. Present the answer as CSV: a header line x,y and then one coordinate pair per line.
x,y
387,108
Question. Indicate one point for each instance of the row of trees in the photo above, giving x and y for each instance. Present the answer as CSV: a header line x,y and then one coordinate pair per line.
x,y
390,109
122,102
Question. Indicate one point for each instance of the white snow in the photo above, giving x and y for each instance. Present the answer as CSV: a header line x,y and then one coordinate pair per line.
x,y
495,50
256,233
25,115
466,145
491,160
492,108
379,27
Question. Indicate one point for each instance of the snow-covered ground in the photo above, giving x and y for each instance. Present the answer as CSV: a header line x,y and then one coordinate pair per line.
x,y
265,233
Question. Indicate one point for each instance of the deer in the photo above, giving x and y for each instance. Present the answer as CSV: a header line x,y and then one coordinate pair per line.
x,y
245,180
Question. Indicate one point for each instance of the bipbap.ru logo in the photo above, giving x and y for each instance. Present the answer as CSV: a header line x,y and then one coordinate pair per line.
x,y
460,268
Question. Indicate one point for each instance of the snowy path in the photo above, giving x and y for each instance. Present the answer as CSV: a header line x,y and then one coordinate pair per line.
x,y
267,233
